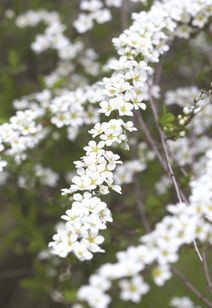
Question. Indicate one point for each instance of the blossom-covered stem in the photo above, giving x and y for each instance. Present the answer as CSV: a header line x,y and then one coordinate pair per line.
x,y
141,208
139,120
206,270
190,286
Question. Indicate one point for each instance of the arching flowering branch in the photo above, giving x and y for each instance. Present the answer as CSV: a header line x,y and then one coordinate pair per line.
x,y
124,91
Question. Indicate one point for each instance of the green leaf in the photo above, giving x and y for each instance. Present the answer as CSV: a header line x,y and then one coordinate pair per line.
x,y
166,118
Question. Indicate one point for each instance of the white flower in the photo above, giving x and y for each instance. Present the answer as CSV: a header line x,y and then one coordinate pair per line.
x,y
81,252
182,302
99,282
93,147
102,16
83,23
3,164
83,182
161,273
133,289
91,5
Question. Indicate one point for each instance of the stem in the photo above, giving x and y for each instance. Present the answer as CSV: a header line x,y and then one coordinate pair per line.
x,y
139,119
122,228
141,208
190,286
139,201
124,14
180,194
197,251
165,149
206,270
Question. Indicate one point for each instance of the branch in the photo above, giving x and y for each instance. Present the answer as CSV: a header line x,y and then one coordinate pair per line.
x,y
180,195
141,208
190,286
206,270
124,14
139,120
165,149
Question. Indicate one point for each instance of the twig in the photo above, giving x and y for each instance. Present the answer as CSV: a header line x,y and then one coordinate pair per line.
x,y
190,286
139,201
121,228
139,120
180,195
124,14
197,251
165,149
141,208
158,72
206,270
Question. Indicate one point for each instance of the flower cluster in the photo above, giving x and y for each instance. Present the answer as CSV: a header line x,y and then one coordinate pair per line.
x,y
89,214
160,247
46,176
80,235
163,185
185,302
95,11
133,289
20,134
53,36
68,109
124,173
125,89
185,151
147,36
192,102
30,124
66,70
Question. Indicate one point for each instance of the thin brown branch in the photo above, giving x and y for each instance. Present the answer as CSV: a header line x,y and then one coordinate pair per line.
x,y
138,193
165,149
180,195
122,228
190,286
140,121
141,208
206,270
124,14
